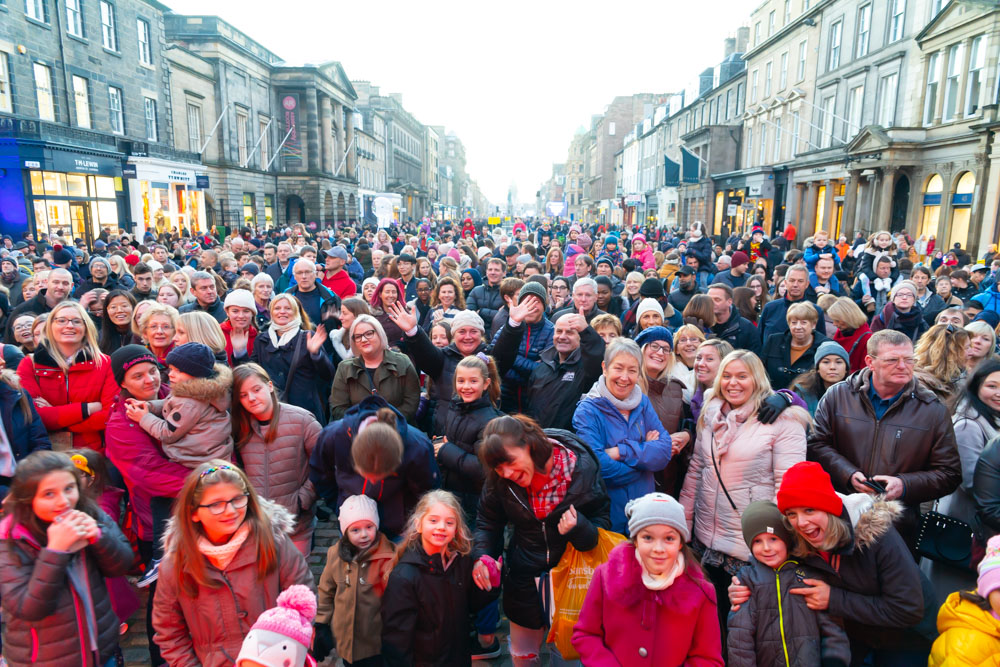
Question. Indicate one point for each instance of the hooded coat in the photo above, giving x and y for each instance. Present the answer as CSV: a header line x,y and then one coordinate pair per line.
x,y
463,427
208,630
349,597
55,604
970,635
332,467
535,545
601,425
193,424
801,637
751,458
624,623
67,393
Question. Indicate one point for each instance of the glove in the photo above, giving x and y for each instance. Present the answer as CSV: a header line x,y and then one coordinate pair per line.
x,y
322,642
494,567
772,406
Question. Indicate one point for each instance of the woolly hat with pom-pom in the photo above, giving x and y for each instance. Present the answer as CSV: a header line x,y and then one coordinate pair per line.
x,y
61,255
282,634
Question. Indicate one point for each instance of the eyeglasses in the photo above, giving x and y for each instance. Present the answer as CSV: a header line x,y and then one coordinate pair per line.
x,y
63,321
894,361
658,347
22,327
238,503
364,335
681,341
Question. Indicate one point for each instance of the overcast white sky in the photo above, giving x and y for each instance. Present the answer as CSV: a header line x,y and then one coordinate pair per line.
x,y
514,80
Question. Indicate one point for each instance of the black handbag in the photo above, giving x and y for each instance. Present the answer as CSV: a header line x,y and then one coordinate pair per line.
x,y
945,539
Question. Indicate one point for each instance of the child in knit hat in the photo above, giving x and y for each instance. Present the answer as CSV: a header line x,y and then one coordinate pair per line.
x,y
282,635
352,584
775,627
192,423
969,622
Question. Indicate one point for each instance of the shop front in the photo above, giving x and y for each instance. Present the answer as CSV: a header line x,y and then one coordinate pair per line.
x,y
166,197
76,194
734,212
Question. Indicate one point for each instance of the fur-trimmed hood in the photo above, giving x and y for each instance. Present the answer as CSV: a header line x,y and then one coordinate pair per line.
x,y
870,517
282,522
215,390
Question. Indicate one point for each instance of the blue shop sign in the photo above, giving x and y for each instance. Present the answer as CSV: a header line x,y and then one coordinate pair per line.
x,y
932,200
961,199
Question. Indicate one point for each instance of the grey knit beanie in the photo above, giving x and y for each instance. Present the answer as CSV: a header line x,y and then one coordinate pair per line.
x,y
656,509
829,347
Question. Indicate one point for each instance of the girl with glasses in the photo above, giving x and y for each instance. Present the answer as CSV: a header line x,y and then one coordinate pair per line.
x,y
228,550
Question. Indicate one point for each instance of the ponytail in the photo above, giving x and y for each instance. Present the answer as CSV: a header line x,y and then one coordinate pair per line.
x,y
487,367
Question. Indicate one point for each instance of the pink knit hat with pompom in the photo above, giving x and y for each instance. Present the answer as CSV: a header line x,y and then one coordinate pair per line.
x,y
267,642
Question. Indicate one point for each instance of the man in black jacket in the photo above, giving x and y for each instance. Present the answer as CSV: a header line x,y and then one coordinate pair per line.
x,y
566,369
687,287
485,299
730,326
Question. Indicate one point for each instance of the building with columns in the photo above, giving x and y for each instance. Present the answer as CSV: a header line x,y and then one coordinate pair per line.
x,y
317,183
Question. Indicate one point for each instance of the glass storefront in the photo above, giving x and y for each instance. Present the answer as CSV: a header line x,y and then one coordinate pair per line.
x,y
165,198
932,207
961,209
78,205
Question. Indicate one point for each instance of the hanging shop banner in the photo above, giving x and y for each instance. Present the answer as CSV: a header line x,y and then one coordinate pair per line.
x,y
292,150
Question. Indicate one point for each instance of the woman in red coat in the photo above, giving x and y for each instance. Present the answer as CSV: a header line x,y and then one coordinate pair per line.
x,y
650,604
70,380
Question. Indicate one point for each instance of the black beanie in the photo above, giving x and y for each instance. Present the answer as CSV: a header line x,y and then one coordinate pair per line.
x,y
128,356
762,516
195,359
651,287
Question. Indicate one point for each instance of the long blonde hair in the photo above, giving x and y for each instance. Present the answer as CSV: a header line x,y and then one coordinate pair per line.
x,y
88,345
203,328
462,542
941,352
761,383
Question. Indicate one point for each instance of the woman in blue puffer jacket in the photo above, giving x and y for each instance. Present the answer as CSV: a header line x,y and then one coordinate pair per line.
x,y
619,423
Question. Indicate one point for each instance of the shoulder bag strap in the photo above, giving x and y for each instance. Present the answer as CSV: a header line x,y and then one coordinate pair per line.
x,y
718,475
294,366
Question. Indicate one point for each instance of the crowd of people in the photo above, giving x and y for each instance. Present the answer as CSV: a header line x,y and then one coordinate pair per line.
x,y
798,441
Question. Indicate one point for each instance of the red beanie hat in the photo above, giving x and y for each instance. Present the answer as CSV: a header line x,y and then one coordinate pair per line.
x,y
806,484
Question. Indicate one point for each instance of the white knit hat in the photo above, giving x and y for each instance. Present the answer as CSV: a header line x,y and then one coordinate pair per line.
x,y
656,509
240,298
647,305
467,318
357,508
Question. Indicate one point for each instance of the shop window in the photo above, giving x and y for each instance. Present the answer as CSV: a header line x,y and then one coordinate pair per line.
x,y
269,210
961,209
820,207
932,207
249,209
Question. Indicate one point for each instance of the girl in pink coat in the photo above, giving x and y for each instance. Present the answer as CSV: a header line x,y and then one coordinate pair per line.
x,y
641,252
650,604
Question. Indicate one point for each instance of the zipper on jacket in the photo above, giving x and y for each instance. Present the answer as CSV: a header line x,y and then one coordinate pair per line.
x,y
781,616
545,535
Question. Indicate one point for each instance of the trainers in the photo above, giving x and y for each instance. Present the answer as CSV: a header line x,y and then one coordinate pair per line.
x,y
480,652
151,574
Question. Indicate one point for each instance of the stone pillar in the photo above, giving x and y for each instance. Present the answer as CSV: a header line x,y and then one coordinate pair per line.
x,y
342,138
326,116
990,201
352,150
850,204
944,221
885,193
793,196
808,217
863,221
312,143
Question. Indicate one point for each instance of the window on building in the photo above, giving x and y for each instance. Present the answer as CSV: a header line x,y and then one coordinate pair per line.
x,y
756,33
194,127
242,133
149,110
763,144
887,86
783,71
951,83
249,209
937,6
767,78
265,153
855,98
729,103
836,34
772,22
109,35
6,97
863,40
788,12
800,72
749,158
37,9
269,210
145,44
898,14
796,128
826,120
777,139
740,95
931,90
81,101
74,17
116,110
977,74
43,92
753,86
